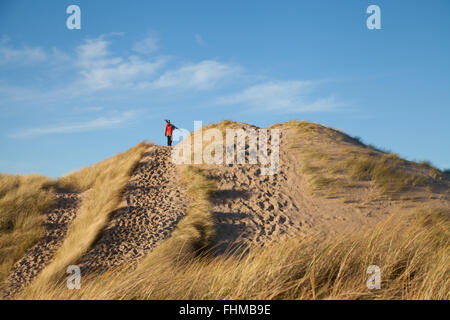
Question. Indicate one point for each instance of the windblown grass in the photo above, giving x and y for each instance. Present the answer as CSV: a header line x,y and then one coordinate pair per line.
x,y
412,252
105,183
334,160
24,199
189,241
387,172
121,164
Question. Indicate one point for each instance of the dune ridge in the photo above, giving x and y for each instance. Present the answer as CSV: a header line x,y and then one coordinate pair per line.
x,y
328,186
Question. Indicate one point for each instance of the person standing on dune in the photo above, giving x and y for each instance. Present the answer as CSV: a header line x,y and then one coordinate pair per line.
x,y
169,130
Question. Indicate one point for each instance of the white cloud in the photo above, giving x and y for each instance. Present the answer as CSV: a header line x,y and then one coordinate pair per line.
x,y
93,48
96,124
94,53
147,45
22,55
59,57
125,73
285,96
101,70
200,76
95,67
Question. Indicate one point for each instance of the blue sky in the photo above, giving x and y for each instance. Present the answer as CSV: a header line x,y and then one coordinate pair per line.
x,y
70,98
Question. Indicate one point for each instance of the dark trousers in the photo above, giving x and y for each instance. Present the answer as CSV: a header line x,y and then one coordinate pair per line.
x,y
169,140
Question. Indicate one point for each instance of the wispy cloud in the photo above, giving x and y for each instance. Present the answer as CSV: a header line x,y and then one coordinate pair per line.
x,y
96,67
101,70
199,76
126,73
283,96
94,53
20,55
92,125
147,45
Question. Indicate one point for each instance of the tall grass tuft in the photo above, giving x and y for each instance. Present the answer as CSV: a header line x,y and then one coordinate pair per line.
x,y
24,200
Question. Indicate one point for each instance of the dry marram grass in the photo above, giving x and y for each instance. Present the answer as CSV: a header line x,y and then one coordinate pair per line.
x,y
104,183
24,199
412,252
411,249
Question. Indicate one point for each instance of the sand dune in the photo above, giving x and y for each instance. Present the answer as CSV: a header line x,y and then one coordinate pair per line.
x,y
249,209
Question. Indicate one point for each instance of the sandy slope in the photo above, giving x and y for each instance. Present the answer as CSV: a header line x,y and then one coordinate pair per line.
x,y
252,209
55,229
249,209
152,205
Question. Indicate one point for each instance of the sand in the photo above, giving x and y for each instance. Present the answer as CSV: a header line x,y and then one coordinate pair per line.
x,y
38,256
152,205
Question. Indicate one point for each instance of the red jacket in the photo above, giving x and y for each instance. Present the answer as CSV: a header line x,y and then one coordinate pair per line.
x,y
169,129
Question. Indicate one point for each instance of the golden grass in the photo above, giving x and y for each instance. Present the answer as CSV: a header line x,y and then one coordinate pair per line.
x,y
385,171
412,252
24,199
105,182
334,160
191,238
121,164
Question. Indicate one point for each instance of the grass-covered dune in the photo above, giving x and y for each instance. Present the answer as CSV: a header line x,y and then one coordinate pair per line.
x,y
410,245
